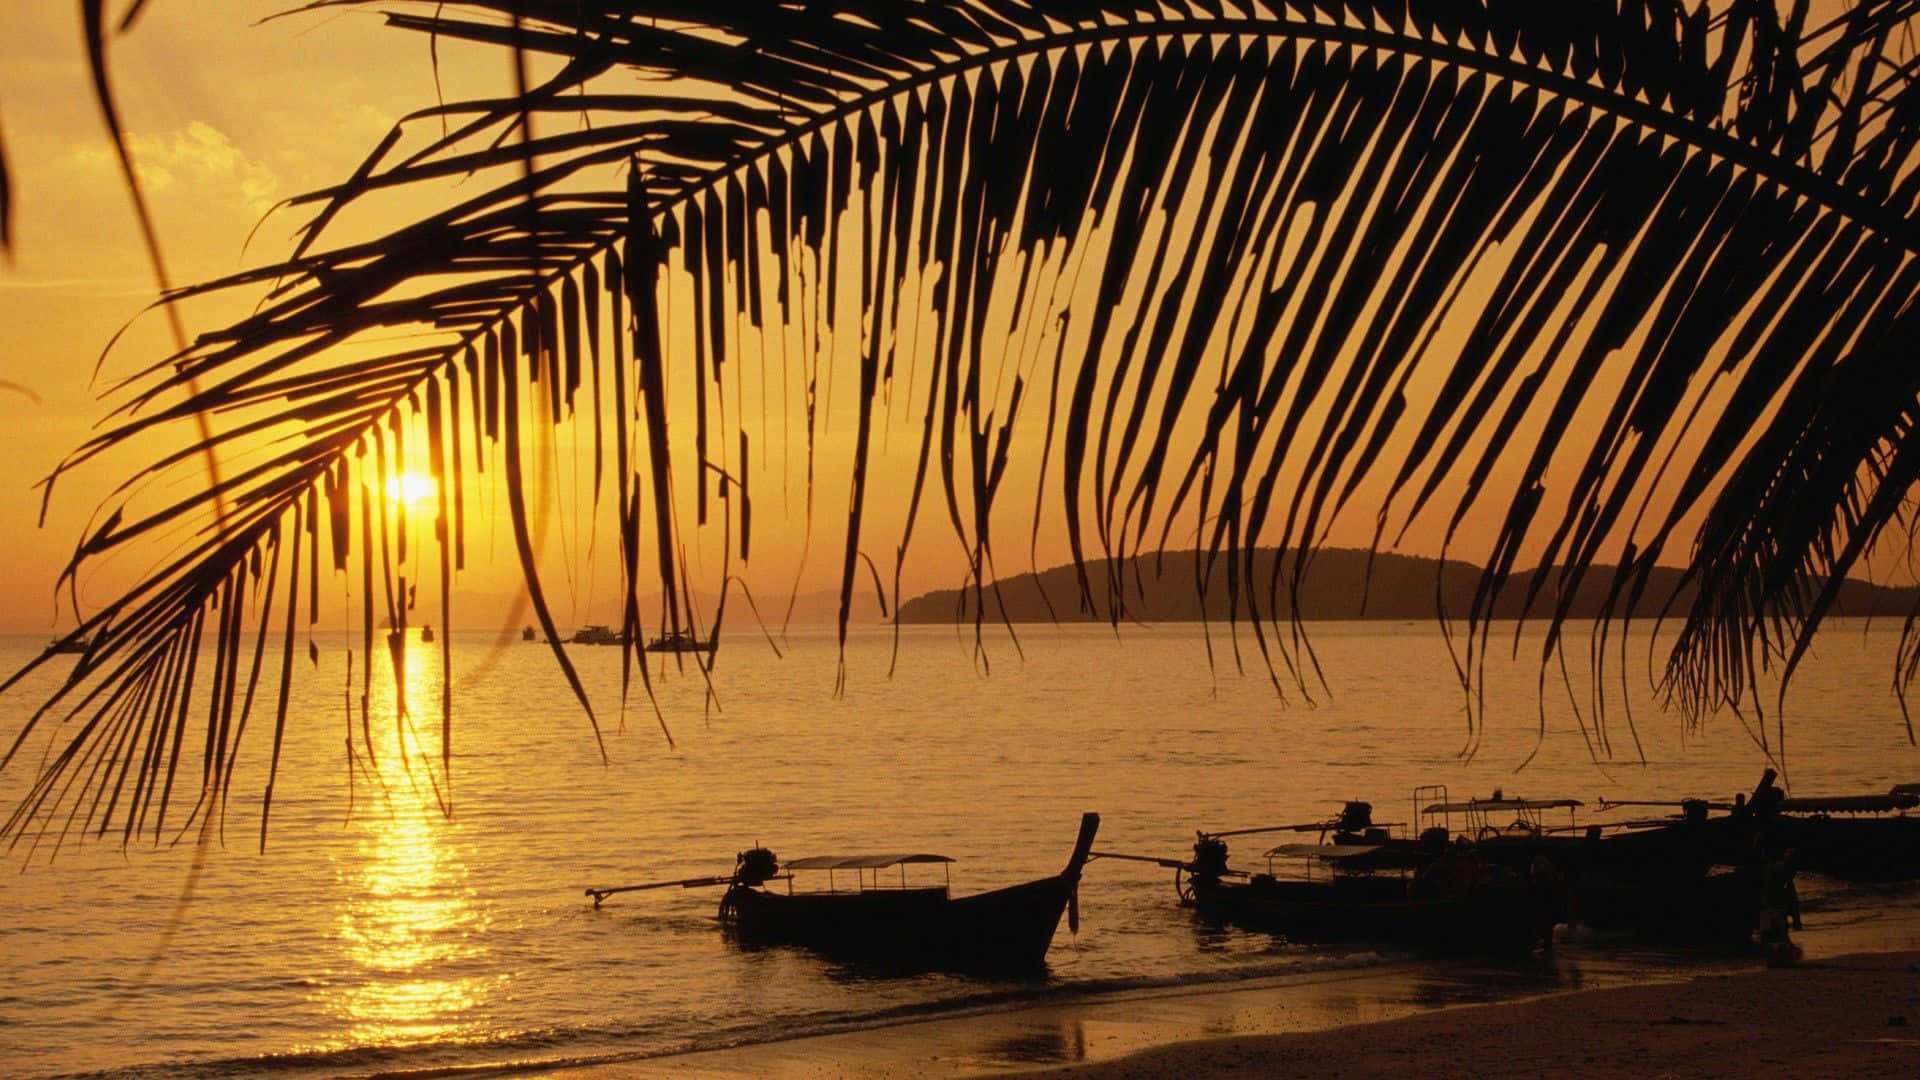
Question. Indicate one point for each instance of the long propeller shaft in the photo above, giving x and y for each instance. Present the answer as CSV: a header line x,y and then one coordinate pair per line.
x,y
600,895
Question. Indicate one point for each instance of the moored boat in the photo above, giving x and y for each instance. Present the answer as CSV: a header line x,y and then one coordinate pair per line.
x,y
1873,837
1365,885
595,634
1648,879
680,641
1444,901
1850,837
900,927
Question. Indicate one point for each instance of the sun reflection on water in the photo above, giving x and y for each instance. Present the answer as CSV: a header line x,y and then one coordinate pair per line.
x,y
411,938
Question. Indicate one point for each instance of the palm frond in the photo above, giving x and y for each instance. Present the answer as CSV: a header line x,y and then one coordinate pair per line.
x,y
1630,279
6,202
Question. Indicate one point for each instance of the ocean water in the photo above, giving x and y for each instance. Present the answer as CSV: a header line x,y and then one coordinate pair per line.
x,y
378,935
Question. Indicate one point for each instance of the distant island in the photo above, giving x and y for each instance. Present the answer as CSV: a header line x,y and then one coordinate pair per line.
x,y
1339,585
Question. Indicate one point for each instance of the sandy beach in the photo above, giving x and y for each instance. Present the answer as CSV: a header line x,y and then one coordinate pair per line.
x,y
1854,1016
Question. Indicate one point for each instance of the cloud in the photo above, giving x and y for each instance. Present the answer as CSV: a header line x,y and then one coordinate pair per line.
x,y
198,163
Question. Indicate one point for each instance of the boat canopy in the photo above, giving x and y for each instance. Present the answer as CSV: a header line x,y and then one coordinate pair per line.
x,y
1852,804
1479,805
1333,852
860,862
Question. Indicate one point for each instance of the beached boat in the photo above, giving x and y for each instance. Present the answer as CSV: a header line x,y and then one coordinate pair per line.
x,y
896,927
1686,880
680,641
1850,843
1515,832
1874,837
1447,901
1362,885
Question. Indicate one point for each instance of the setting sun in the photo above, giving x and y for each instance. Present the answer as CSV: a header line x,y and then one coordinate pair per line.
x,y
411,489
1204,538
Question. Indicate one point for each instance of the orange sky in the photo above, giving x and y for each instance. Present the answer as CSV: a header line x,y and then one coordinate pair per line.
x,y
223,128
227,117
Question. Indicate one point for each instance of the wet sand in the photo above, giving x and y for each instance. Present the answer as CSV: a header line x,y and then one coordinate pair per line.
x,y
1586,1009
1853,1016
1856,1016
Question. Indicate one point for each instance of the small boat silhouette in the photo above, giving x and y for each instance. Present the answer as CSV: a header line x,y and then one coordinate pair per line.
x,y
681,641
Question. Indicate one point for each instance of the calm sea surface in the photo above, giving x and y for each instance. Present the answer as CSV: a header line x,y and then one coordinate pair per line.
x,y
376,935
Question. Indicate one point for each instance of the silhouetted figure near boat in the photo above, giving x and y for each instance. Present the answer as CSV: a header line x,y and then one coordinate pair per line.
x,y
1781,895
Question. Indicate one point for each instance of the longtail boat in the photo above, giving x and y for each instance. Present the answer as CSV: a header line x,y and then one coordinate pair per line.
x,y
892,927
1360,884
1874,837
1691,879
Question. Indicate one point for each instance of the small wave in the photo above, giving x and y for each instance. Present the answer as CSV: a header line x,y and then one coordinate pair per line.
x,y
551,1048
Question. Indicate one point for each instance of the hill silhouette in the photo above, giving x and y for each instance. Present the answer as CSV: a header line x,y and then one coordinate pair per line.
x,y
1338,584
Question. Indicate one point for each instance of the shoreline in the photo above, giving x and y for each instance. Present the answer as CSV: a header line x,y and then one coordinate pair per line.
x,y
1588,1007
1853,1016
1582,1013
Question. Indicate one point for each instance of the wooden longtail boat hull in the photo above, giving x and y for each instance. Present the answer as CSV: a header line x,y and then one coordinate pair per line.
x,y
1709,909
1657,853
1497,919
1003,931
1852,849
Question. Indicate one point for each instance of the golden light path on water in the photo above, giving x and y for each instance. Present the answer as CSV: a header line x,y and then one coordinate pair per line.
x,y
408,924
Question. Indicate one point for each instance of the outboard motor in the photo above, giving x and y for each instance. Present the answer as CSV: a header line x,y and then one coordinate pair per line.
x,y
1209,859
755,866
1355,819
1693,811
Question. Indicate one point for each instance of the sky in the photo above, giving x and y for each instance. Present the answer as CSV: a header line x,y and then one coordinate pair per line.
x,y
226,116
229,112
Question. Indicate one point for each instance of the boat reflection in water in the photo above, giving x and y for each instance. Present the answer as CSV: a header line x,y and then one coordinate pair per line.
x,y
409,930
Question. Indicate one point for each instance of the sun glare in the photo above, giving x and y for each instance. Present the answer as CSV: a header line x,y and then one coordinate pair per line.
x,y
410,489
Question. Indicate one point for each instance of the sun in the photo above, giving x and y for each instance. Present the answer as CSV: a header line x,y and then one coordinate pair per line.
x,y
410,489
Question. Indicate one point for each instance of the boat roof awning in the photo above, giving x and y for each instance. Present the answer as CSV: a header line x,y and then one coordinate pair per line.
x,y
1357,858
1852,804
1325,851
860,862
1376,853
1502,804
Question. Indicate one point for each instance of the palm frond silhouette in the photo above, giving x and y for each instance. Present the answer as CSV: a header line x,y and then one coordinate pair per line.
x,y
1633,279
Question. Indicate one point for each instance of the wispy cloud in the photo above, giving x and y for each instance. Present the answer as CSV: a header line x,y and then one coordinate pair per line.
x,y
92,286
198,162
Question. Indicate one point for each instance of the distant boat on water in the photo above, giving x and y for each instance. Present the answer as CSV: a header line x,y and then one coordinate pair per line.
x,y
681,641
68,646
592,634
398,635
526,633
